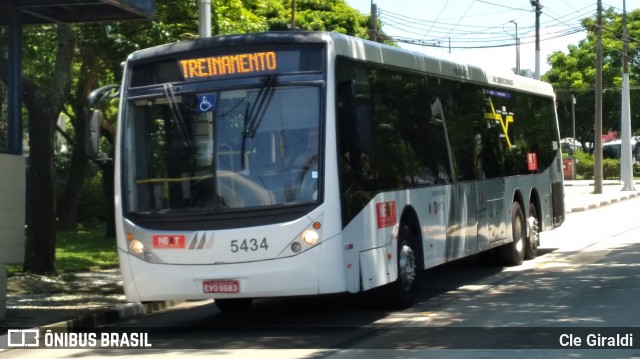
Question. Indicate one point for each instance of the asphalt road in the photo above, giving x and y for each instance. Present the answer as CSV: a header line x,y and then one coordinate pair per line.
x,y
585,284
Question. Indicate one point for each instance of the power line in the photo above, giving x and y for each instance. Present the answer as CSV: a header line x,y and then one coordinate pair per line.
x,y
436,43
503,6
462,17
470,36
437,18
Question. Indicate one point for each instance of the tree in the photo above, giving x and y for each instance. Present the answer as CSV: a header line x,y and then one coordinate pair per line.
x,y
44,96
574,73
88,56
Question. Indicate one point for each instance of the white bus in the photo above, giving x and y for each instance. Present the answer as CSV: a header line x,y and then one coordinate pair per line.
x,y
308,163
613,149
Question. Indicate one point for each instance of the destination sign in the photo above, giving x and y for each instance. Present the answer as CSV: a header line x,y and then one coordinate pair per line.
x,y
247,63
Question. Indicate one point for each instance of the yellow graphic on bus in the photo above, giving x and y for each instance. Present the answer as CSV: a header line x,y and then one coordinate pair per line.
x,y
497,116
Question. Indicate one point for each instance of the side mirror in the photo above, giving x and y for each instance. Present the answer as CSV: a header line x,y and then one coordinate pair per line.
x,y
92,133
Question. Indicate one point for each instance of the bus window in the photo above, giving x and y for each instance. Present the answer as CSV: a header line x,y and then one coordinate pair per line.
x,y
223,156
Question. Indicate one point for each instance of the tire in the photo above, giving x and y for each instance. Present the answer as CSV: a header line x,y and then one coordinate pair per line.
x,y
512,254
531,246
400,294
233,305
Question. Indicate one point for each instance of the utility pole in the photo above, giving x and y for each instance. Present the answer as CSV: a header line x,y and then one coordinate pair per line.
x,y
204,16
538,7
517,49
293,15
626,166
597,153
374,22
573,126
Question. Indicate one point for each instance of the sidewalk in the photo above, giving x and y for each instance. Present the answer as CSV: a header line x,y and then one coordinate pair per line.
x,y
578,195
93,298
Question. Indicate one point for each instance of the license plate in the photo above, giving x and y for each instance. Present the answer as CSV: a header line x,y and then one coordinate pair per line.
x,y
221,286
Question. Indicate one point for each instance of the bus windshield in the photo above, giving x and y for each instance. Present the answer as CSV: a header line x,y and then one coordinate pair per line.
x,y
223,150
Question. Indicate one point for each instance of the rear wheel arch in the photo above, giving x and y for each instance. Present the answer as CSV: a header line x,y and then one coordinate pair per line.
x,y
534,198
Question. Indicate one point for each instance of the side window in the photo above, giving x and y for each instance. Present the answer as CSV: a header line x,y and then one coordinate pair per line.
x,y
392,133
4,102
4,116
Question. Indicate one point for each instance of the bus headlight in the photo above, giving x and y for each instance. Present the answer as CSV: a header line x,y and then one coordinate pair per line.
x,y
310,237
136,246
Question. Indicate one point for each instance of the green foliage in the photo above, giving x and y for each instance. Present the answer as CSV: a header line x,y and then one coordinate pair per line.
x,y
84,248
92,198
610,168
584,165
573,72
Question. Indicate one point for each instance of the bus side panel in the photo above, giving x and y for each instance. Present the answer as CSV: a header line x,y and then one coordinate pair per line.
x,y
377,268
462,228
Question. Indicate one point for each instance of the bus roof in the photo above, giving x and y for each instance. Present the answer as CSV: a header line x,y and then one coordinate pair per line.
x,y
433,63
360,49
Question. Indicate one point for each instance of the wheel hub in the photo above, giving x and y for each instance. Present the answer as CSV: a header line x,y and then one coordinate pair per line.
x,y
407,266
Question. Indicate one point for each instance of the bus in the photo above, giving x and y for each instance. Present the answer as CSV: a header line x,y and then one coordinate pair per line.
x,y
613,149
307,163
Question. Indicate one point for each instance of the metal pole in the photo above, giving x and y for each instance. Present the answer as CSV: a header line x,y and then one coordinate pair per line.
x,y
538,7
597,154
517,49
204,16
626,166
293,15
14,81
374,22
573,125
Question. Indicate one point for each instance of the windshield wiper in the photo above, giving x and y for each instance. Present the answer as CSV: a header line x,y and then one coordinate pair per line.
x,y
176,115
255,114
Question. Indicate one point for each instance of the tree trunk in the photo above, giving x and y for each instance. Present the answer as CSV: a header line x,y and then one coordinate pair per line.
x,y
68,213
41,227
44,105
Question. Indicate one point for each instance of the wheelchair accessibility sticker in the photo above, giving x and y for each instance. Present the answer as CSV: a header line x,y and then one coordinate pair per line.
x,y
207,102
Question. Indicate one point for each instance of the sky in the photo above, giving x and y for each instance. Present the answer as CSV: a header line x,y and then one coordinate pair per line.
x,y
469,25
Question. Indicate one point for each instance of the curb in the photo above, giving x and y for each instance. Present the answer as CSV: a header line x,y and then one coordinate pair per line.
x,y
112,315
574,184
603,203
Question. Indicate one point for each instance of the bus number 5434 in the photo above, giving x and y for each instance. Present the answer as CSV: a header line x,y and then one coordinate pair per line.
x,y
247,245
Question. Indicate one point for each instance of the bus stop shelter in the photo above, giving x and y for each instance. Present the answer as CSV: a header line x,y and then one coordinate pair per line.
x,y
14,14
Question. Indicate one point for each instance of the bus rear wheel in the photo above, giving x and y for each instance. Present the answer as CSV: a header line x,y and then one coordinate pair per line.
x,y
531,249
512,254
233,305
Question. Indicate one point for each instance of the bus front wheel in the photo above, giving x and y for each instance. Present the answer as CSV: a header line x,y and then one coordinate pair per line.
x,y
401,292
513,253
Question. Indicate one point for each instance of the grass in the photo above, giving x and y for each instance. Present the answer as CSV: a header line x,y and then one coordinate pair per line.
x,y
82,249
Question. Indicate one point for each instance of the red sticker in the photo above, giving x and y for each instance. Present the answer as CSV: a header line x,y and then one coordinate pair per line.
x,y
532,161
386,214
169,241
